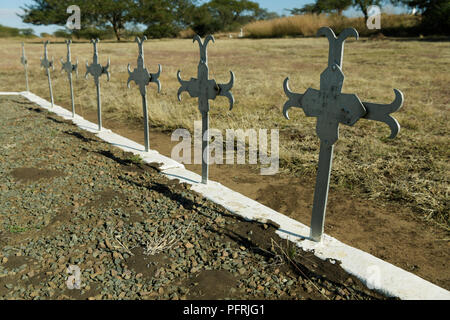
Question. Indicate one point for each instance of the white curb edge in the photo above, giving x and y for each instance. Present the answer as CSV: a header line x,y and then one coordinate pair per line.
x,y
375,273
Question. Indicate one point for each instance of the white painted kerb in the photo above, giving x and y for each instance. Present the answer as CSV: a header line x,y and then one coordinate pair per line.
x,y
375,273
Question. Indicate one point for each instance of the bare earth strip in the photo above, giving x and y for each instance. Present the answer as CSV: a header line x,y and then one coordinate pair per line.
x,y
68,198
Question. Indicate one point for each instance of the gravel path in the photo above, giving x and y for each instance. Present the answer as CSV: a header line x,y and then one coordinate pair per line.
x,y
69,199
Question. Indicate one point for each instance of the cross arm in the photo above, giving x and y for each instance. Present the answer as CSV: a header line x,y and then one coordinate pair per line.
x,y
190,86
381,112
224,90
304,101
295,99
87,70
154,77
105,69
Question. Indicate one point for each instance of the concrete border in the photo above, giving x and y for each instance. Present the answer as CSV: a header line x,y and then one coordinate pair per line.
x,y
375,273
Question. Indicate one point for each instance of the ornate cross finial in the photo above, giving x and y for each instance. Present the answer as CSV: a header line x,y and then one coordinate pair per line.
x,y
140,75
142,78
69,68
205,89
331,107
46,64
97,70
336,51
202,87
24,61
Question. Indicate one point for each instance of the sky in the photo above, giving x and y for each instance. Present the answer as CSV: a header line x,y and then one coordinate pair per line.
x,y
10,8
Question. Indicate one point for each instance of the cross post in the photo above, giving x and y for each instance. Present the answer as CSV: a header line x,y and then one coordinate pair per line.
x,y
47,64
142,78
24,61
205,89
331,108
69,68
97,70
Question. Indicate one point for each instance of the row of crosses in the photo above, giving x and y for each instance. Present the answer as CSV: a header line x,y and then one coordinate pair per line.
x,y
329,105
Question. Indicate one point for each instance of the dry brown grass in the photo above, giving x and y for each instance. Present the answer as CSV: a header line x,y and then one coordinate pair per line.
x,y
411,170
308,24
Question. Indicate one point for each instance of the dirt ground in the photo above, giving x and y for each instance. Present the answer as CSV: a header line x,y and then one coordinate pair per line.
x,y
385,230
71,200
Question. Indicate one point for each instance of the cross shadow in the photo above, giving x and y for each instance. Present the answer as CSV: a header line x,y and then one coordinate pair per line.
x,y
111,156
81,137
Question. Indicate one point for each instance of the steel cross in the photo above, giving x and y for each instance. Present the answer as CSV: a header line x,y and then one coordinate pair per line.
x,y
205,89
24,61
142,78
69,68
97,70
45,63
331,107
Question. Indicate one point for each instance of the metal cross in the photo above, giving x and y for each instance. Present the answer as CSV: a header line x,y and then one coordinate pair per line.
x,y
331,107
97,70
69,68
24,61
45,63
142,78
205,89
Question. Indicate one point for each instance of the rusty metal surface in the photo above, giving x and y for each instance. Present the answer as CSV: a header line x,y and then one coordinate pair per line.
x,y
142,78
70,68
97,70
205,89
331,107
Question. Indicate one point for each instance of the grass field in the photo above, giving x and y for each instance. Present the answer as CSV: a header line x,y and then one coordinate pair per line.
x,y
411,170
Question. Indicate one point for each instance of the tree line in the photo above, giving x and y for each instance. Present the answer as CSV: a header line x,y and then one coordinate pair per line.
x,y
166,18
160,18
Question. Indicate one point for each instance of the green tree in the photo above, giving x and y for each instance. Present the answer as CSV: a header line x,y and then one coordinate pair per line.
x,y
264,14
311,8
364,5
115,12
436,14
337,6
203,22
224,15
94,13
163,18
45,12
321,6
